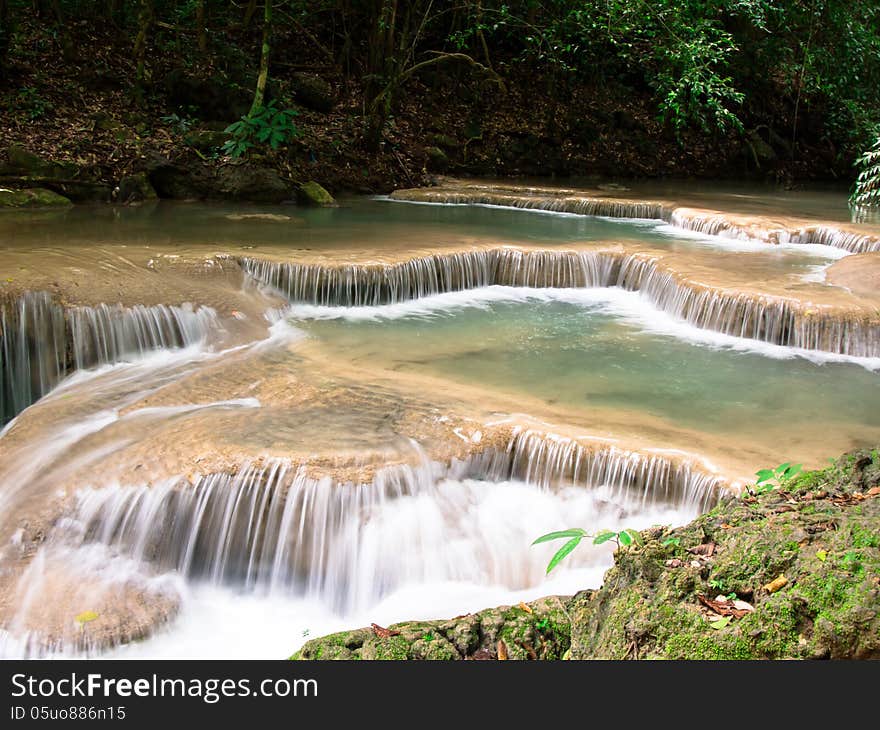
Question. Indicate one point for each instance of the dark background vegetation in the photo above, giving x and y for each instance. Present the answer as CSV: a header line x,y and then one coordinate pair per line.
x,y
386,92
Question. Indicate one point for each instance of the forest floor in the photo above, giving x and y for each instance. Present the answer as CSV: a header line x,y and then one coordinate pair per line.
x,y
71,99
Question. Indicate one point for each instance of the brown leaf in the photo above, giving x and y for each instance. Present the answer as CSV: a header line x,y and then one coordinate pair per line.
x,y
501,647
383,633
722,608
481,655
707,549
873,492
530,650
525,607
674,563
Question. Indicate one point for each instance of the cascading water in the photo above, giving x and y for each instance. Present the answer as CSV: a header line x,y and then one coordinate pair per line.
x,y
271,528
42,342
706,222
775,320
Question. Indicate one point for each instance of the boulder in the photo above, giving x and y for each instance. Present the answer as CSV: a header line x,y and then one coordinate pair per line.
x,y
438,161
20,161
312,92
311,193
135,189
209,98
244,182
206,140
251,183
31,198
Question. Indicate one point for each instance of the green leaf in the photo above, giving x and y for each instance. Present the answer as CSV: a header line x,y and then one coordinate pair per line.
x,y
720,623
672,541
782,467
624,537
822,555
635,535
562,552
765,475
574,532
604,536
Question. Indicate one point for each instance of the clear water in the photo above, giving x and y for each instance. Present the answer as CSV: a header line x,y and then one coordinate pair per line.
x,y
606,348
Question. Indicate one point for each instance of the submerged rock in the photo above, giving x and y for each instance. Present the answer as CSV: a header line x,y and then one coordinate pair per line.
x,y
31,198
791,573
311,193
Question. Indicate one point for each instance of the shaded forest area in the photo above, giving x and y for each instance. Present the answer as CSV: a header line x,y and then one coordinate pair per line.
x,y
241,98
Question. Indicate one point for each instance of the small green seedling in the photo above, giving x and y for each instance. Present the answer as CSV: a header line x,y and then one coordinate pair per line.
x,y
623,538
770,479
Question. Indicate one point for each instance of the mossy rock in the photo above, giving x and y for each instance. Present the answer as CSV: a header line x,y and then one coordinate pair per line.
x,y
312,92
21,161
31,198
311,193
438,160
538,630
135,189
206,140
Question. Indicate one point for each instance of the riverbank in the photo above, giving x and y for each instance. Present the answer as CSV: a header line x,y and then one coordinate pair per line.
x,y
79,110
789,573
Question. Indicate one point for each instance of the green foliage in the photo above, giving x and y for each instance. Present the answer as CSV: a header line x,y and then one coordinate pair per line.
x,y
34,106
867,188
623,538
180,125
770,479
267,126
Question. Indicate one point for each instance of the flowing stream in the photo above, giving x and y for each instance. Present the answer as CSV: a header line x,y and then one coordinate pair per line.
x,y
228,429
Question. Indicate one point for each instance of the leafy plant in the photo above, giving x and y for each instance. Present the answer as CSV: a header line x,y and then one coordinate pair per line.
x,y
268,125
32,104
181,125
674,541
867,187
623,538
770,479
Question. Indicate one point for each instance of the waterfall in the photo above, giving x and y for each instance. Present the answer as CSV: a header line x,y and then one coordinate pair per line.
x,y
776,320
33,351
743,227
270,527
356,285
769,319
754,228
559,203
41,342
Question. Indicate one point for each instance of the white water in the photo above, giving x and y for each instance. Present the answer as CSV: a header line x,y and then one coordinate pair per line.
x,y
630,306
466,549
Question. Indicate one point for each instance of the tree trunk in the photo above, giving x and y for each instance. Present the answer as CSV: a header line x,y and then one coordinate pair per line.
x,y
260,92
249,14
145,23
201,31
5,32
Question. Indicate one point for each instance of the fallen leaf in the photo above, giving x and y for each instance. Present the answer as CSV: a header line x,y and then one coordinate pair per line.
x,y
85,617
481,655
525,607
707,549
743,606
726,526
724,607
383,633
776,584
873,491
720,623
674,563
501,647
822,555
